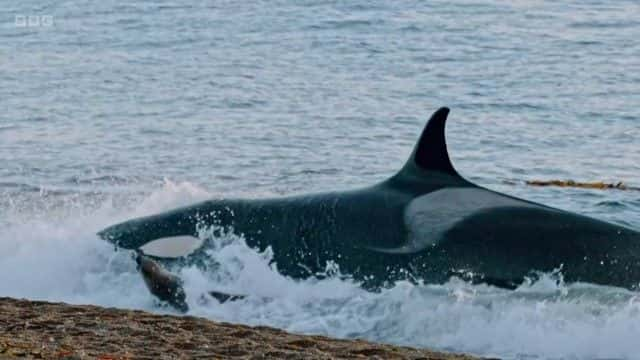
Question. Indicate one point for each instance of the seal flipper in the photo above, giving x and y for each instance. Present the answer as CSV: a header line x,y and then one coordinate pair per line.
x,y
224,297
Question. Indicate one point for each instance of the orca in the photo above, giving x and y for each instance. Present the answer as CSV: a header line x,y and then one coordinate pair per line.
x,y
426,223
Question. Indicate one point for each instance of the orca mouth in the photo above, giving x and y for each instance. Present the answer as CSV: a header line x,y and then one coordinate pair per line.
x,y
124,235
137,257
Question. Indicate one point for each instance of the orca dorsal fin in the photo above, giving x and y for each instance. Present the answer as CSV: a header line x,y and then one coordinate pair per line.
x,y
430,153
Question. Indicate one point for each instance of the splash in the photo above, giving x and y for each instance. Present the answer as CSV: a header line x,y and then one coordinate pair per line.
x,y
52,253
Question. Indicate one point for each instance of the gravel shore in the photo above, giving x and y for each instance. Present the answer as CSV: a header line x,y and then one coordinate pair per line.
x,y
35,329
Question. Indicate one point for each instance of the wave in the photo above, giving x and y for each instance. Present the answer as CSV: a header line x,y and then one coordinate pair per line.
x,y
49,256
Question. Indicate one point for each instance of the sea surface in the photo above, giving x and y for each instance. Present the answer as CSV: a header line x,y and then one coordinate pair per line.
x,y
111,110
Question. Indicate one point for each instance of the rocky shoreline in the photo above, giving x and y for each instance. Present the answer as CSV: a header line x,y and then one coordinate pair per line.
x,y
36,329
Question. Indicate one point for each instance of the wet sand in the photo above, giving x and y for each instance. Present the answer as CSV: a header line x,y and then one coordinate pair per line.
x,y
35,329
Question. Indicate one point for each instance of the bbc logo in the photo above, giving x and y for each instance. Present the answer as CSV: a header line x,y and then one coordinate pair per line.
x,y
34,21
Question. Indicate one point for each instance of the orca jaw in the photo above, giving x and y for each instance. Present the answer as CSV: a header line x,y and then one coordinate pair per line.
x,y
136,233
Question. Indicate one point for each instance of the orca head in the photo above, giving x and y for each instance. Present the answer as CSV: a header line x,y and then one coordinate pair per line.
x,y
429,167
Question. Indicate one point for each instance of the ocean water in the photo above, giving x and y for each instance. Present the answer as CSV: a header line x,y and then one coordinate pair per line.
x,y
112,110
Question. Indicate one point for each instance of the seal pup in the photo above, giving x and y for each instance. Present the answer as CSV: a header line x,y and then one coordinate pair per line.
x,y
161,283
168,287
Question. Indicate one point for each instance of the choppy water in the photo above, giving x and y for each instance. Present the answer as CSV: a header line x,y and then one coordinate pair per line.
x,y
112,110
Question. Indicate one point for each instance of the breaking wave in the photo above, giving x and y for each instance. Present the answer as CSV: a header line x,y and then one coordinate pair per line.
x,y
52,253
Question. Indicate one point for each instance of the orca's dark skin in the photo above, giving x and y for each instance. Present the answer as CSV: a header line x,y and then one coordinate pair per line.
x,y
424,223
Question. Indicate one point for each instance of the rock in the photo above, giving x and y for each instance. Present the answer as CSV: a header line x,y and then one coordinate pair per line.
x,y
92,332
